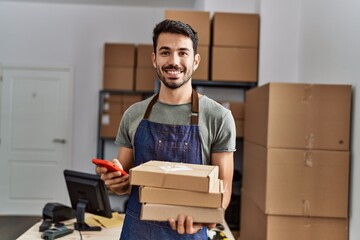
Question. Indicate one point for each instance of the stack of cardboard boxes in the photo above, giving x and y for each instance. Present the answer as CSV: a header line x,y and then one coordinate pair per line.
x,y
145,77
169,188
296,162
200,21
235,43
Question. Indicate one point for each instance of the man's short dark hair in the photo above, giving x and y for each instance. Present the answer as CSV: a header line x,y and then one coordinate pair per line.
x,y
172,26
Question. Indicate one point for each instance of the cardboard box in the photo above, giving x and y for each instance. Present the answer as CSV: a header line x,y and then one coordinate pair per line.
x,y
234,64
202,72
110,124
236,30
182,176
119,55
118,78
297,182
160,212
182,197
143,59
294,115
145,79
198,20
256,225
237,109
239,124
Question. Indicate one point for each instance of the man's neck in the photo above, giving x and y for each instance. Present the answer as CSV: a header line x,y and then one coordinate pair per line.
x,y
179,95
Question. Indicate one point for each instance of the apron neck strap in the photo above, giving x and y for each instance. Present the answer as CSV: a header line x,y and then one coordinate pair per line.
x,y
194,107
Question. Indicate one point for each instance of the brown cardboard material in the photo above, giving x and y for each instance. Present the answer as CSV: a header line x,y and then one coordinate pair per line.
x,y
237,109
199,20
110,124
118,78
119,55
234,64
160,212
145,79
143,54
256,225
239,124
294,115
182,197
297,182
236,29
202,72
182,176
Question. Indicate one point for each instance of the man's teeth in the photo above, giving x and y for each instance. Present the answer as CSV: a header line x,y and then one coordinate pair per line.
x,y
174,72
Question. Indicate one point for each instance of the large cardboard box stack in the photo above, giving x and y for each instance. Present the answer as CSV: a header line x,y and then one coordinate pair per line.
x,y
119,66
112,111
145,77
200,21
168,189
235,43
296,162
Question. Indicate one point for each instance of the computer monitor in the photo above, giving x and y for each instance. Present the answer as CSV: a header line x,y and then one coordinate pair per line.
x,y
87,193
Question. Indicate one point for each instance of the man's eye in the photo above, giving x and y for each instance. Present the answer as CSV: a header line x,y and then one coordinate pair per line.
x,y
183,54
164,53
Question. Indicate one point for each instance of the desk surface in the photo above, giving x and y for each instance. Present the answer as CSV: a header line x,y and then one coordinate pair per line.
x,y
110,233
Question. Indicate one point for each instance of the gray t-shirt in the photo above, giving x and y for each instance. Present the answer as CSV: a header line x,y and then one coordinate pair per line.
x,y
216,124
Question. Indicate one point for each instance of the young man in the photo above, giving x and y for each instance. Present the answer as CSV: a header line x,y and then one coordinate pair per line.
x,y
176,125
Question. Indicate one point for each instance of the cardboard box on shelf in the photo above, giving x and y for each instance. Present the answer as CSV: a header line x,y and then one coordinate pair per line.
x,y
236,29
234,64
119,55
118,78
297,182
255,224
182,197
199,20
145,79
202,73
110,124
143,56
296,115
162,212
182,176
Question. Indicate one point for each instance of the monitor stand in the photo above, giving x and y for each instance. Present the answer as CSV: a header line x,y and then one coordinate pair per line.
x,y
80,224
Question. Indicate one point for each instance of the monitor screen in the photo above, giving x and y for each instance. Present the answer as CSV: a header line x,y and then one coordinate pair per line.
x,y
87,193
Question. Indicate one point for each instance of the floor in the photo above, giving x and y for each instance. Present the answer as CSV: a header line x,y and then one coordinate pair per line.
x,y
11,227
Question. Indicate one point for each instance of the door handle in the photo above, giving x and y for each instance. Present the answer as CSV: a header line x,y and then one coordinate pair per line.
x,y
62,141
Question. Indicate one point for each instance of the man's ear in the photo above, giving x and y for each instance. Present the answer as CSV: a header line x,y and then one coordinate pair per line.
x,y
153,59
197,59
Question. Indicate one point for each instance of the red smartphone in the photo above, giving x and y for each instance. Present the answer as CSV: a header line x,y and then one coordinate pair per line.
x,y
109,165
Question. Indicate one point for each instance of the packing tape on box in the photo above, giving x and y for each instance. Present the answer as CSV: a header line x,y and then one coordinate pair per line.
x,y
310,139
308,93
175,168
308,159
306,208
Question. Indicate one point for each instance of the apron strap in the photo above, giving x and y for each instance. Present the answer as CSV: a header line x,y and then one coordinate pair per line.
x,y
194,107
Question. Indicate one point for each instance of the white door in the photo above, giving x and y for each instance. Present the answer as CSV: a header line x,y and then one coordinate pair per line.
x,y
35,135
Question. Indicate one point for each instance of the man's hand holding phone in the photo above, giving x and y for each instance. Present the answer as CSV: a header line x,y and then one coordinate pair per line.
x,y
113,175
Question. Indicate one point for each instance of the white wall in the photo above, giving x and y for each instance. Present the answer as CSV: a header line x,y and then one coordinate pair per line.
x,y
300,41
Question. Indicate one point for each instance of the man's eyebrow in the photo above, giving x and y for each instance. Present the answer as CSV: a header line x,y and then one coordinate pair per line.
x,y
180,49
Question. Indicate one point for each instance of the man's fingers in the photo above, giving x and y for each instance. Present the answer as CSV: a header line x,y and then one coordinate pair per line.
x,y
180,224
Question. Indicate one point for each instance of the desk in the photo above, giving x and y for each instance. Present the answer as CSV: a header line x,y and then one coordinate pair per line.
x,y
105,234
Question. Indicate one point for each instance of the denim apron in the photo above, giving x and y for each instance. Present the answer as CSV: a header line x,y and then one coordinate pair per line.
x,y
164,142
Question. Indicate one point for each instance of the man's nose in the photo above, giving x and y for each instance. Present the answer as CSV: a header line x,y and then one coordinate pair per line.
x,y
174,59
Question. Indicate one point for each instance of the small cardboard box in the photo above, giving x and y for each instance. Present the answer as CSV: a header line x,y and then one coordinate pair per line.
x,y
143,54
255,224
110,124
236,30
118,78
297,182
198,20
234,64
182,176
119,55
182,197
299,115
162,212
202,72
145,79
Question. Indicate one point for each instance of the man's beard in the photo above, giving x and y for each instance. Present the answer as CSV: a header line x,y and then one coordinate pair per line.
x,y
172,83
